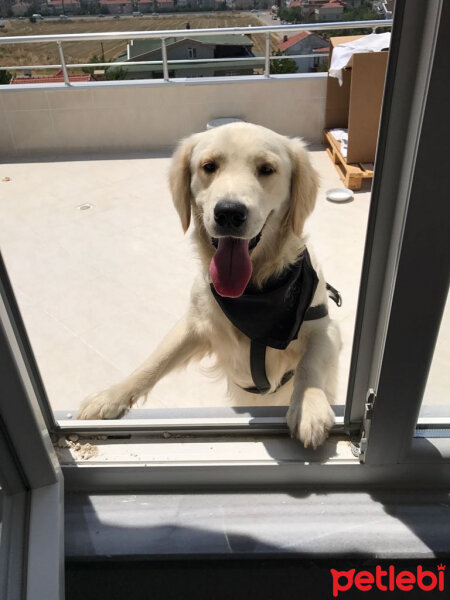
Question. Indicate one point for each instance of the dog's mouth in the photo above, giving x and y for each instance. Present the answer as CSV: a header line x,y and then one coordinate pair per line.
x,y
252,244
231,268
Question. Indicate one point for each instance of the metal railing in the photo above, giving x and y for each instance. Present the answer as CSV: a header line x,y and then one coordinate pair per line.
x,y
164,35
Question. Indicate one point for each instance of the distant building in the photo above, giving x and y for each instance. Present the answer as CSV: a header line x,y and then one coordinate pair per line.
x,y
57,7
19,8
312,4
117,7
353,3
145,6
305,43
308,7
311,9
5,7
209,4
166,5
243,4
198,49
331,11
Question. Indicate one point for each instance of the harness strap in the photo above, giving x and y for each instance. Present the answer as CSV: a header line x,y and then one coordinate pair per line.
x,y
258,357
316,312
258,367
258,350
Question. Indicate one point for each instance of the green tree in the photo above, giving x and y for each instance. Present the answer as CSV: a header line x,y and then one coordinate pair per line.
x,y
113,73
291,15
90,8
5,77
322,66
110,72
93,59
282,65
360,13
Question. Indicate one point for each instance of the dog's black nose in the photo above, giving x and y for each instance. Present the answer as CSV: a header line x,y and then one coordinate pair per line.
x,y
230,215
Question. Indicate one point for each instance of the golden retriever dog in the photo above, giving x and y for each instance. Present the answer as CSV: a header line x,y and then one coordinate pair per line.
x,y
247,192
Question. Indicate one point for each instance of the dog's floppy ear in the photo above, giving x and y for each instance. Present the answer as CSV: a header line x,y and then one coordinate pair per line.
x,y
180,180
304,186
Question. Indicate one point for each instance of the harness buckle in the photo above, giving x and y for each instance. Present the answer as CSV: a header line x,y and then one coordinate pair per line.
x,y
334,294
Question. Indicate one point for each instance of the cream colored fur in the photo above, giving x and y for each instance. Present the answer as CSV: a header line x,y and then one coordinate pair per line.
x,y
280,202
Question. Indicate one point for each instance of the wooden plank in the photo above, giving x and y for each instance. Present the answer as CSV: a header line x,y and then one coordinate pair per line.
x,y
351,174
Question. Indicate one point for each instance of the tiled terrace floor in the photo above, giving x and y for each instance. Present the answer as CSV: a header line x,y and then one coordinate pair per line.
x,y
98,288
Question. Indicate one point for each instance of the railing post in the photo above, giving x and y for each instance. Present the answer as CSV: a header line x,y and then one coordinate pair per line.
x,y
63,64
164,58
267,56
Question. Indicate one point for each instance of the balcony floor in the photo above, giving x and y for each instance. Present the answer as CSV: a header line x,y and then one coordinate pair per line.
x,y
99,288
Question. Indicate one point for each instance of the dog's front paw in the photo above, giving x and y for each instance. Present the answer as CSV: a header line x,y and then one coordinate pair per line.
x,y
112,403
311,419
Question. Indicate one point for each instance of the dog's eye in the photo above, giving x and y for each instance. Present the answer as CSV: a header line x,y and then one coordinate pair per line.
x,y
266,170
209,167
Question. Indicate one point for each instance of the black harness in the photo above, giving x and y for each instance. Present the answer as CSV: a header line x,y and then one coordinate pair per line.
x,y
273,316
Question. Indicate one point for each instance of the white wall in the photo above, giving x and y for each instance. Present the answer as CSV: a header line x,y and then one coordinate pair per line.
x,y
126,116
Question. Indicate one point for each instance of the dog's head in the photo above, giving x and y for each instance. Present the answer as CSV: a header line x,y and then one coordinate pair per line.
x,y
248,189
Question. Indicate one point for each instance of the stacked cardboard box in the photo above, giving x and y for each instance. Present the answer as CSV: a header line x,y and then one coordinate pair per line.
x,y
356,105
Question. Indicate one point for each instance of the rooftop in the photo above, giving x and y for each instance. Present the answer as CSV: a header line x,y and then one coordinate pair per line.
x,y
332,5
145,46
294,39
58,78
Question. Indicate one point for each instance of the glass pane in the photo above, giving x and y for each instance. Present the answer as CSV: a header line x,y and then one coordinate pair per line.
x,y
100,281
94,248
436,399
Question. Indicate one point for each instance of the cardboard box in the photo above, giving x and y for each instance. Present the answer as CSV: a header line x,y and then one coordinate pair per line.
x,y
356,105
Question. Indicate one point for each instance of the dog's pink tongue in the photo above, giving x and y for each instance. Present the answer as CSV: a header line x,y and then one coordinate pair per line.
x,y
231,268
